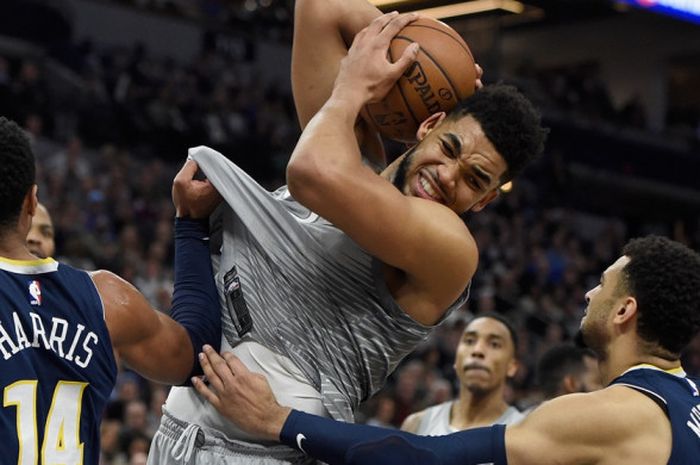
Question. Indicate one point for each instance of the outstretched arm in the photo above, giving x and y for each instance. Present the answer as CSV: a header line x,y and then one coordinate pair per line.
x,y
590,428
158,346
247,400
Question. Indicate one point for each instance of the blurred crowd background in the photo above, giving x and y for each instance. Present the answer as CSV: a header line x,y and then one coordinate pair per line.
x,y
110,125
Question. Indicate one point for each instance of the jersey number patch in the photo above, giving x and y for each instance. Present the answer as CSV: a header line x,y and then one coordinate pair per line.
x,y
61,443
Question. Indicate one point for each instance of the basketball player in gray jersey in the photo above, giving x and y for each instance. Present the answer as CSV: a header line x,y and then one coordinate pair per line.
x,y
484,360
326,284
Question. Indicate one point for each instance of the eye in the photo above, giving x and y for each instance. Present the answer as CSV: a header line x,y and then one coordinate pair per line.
x,y
447,148
472,181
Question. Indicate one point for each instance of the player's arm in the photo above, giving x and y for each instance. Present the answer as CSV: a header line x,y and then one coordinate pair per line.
x,y
326,174
148,341
616,425
323,32
412,422
606,426
158,346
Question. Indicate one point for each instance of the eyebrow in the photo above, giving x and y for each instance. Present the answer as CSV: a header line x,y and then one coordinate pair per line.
x,y
488,335
482,174
455,142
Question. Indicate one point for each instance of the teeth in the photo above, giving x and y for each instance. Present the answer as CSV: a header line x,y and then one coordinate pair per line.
x,y
428,188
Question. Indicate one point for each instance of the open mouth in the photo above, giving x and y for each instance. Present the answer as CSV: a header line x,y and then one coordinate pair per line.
x,y
427,188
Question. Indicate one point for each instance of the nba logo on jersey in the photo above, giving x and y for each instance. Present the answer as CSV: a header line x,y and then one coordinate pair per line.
x,y
34,292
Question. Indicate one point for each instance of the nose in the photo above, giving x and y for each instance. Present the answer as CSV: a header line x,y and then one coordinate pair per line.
x,y
448,174
33,240
589,294
478,350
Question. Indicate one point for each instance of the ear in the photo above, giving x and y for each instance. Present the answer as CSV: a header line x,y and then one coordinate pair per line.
x,y
31,200
626,311
513,366
569,385
429,124
488,198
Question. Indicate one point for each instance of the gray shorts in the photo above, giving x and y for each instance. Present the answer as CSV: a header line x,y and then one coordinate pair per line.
x,y
178,442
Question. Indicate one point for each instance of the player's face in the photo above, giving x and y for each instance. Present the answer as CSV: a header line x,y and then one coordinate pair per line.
x,y
596,324
454,164
485,356
40,239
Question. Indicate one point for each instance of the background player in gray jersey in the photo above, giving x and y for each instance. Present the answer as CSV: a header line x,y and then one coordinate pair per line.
x,y
355,293
484,361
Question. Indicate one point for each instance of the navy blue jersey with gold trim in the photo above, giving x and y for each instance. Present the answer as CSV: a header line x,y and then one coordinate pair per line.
x,y
57,367
678,396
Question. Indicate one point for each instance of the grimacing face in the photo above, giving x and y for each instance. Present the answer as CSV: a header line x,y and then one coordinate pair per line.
x,y
602,301
453,163
485,356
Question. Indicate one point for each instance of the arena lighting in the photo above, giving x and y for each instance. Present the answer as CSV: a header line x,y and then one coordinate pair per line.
x,y
507,187
460,9
688,10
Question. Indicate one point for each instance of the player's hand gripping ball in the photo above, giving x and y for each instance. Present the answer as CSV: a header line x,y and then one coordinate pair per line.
x,y
443,74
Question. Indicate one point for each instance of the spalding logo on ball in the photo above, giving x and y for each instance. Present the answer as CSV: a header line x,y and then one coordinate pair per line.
x,y
443,74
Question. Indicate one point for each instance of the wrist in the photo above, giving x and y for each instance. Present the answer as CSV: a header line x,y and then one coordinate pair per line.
x,y
350,98
191,227
275,425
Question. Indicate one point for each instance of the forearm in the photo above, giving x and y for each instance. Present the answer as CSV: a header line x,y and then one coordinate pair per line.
x,y
326,146
341,443
195,303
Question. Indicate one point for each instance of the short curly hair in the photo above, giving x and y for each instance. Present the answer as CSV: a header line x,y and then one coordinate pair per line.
x,y
664,277
17,171
510,122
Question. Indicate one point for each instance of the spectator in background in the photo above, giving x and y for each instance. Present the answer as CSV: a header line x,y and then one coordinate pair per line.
x,y
385,407
485,359
567,369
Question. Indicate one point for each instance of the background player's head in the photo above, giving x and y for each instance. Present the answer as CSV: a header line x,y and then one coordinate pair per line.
x,y
462,158
17,179
653,290
40,240
486,355
565,369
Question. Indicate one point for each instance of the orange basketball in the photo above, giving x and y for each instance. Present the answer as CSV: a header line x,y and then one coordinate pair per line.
x,y
443,74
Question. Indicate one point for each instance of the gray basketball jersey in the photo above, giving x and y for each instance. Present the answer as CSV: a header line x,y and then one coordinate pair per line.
x,y
294,283
436,420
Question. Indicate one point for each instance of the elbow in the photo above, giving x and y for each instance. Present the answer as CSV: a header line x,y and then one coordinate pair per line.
x,y
304,178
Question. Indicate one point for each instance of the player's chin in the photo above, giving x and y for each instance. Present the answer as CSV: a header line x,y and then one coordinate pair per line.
x,y
37,252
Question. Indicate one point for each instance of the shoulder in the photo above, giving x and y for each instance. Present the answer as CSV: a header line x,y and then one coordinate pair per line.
x,y
124,305
413,421
615,422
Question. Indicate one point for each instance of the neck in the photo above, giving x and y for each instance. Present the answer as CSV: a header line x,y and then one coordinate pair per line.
x,y
471,409
626,353
14,247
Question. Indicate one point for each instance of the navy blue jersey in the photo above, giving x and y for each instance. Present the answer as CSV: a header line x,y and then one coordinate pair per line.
x,y
57,368
678,396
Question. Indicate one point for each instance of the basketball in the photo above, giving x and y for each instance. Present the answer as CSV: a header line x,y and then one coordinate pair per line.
x,y
443,74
